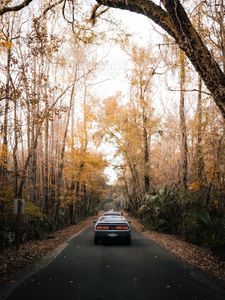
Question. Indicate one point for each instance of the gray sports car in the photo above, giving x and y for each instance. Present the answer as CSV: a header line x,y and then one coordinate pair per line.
x,y
112,228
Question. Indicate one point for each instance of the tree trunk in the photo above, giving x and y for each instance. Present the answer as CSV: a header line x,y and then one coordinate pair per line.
x,y
199,152
146,151
136,186
61,166
46,166
184,147
4,165
129,197
15,162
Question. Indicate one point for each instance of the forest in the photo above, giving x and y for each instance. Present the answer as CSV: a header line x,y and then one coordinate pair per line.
x,y
165,131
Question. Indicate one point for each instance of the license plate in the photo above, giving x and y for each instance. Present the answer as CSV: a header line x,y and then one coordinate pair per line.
x,y
112,234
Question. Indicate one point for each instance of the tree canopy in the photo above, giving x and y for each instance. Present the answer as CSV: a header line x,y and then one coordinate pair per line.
x,y
171,16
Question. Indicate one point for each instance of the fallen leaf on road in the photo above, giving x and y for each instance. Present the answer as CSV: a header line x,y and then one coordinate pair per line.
x,y
134,278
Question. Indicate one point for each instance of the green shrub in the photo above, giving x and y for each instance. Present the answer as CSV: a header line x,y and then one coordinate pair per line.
x,y
162,211
185,213
213,231
189,227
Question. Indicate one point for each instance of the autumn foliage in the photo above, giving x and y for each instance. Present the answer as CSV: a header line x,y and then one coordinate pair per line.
x,y
166,132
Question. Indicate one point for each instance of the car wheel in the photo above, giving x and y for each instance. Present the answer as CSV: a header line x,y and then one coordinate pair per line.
x,y
96,241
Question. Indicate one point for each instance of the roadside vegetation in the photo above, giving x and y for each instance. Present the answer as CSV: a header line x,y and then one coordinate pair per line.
x,y
186,214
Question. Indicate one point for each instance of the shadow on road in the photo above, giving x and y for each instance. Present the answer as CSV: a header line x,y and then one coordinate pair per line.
x,y
111,242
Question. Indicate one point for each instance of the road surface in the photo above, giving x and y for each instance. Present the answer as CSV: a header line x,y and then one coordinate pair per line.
x,y
141,271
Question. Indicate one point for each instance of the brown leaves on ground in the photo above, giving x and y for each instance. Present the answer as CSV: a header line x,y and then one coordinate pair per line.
x,y
191,254
13,261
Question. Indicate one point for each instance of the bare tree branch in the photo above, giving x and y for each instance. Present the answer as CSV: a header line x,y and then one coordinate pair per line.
x,y
144,7
53,5
15,8
94,14
192,90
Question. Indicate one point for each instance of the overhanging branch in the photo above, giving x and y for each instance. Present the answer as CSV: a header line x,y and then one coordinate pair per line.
x,y
146,8
14,8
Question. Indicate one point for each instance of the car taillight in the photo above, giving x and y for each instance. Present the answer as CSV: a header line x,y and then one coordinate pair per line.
x,y
102,227
125,228
105,227
119,227
122,227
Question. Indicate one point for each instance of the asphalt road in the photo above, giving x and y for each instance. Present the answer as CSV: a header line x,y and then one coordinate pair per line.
x,y
141,271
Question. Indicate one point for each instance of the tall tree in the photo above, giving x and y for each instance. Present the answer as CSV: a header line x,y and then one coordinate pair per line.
x,y
144,68
184,146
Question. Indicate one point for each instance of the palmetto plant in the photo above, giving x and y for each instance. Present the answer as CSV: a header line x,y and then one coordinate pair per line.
x,y
162,211
213,228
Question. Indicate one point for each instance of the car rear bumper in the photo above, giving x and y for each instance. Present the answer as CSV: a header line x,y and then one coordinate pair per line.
x,y
113,234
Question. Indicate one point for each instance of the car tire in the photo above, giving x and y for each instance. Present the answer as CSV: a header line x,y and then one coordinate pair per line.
x,y
96,241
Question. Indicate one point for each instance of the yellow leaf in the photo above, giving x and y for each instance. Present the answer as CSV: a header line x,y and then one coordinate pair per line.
x,y
8,44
